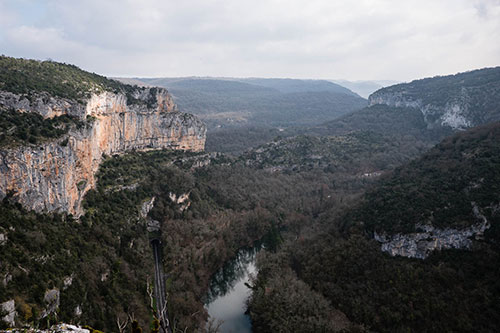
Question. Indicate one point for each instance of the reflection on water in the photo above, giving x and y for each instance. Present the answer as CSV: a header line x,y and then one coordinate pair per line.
x,y
228,293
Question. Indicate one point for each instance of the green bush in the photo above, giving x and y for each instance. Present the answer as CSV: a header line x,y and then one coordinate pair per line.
x,y
20,128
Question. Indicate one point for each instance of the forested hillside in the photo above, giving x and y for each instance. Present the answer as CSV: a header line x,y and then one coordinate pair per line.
x,y
454,290
442,187
295,85
400,121
363,150
439,90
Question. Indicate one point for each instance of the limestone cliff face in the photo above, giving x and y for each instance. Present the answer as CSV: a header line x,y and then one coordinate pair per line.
x,y
55,176
455,113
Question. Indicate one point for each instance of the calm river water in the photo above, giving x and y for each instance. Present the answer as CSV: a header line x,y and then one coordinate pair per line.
x,y
228,293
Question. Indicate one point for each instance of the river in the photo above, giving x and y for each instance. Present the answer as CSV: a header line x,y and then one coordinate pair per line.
x,y
226,300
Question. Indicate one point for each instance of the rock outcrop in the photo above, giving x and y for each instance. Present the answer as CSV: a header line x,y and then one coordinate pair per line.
x,y
9,309
182,200
42,103
52,300
420,244
151,225
56,175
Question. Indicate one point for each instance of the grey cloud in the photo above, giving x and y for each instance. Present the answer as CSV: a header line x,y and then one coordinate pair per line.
x,y
314,39
485,7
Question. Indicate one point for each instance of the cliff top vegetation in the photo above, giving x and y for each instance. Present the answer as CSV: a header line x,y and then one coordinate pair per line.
x,y
21,128
27,76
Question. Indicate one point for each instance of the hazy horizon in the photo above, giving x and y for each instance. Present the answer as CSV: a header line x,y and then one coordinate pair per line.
x,y
385,81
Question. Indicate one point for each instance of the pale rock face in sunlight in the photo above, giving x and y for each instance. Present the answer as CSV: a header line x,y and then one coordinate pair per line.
x,y
454,117
9,308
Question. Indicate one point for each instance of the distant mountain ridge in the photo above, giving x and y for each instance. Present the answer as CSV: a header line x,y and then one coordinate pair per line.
x,y
296,85
235,102
211,85
284,85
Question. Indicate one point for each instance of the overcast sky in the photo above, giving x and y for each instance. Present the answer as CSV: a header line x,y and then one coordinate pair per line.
x,y
330,39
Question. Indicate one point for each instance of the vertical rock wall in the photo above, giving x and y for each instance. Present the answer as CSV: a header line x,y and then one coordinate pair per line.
x,y
55,176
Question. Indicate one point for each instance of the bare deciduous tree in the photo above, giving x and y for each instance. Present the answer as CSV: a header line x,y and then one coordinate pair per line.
x,y
122,324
